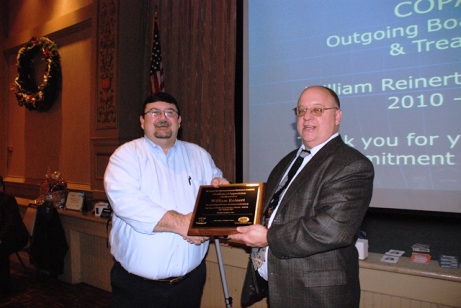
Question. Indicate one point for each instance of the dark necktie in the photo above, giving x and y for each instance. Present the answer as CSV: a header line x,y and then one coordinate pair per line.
x,y
283,185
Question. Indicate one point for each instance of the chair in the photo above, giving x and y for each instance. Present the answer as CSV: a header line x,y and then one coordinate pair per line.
x,y
29,222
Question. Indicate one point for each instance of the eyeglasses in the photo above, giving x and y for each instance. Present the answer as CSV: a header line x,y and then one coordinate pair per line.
x,y
155,113
316,111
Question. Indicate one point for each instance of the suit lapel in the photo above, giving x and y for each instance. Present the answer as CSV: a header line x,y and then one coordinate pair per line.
x,y
279,171
309,169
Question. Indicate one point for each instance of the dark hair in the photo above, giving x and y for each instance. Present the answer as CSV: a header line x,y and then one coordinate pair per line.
x,y
2,184
160,97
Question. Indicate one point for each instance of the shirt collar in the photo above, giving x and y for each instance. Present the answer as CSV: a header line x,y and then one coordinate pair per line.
x,y
317,148
156,148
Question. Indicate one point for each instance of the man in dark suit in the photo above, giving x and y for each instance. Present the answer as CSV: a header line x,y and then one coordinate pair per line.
x,y
307,252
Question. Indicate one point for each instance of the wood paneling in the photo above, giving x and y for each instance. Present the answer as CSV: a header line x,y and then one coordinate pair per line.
x,y
198,41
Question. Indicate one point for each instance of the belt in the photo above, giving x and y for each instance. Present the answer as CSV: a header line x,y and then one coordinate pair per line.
x,y
171,280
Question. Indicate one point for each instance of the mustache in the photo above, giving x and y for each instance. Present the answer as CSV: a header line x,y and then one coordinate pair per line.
x,y
162,123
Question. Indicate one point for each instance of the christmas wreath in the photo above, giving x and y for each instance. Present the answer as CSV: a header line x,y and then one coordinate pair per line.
x,y
29,94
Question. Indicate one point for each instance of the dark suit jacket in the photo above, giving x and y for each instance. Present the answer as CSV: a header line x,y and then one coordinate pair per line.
x,y
13,233
312,260
49,246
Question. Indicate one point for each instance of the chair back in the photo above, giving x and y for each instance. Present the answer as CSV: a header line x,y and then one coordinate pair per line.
x,y
29,219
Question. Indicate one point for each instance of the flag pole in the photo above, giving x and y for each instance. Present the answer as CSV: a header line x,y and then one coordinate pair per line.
x,y
227,298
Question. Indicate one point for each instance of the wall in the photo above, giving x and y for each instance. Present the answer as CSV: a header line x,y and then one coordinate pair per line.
x,y
58,139
105,49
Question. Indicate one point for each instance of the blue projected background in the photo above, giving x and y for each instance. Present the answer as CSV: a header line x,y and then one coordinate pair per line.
x,y
396,66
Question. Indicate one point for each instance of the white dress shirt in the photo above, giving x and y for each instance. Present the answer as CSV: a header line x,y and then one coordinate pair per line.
x,y
143,183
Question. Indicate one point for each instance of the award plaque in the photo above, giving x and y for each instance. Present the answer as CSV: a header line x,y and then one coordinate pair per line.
x,y
219,211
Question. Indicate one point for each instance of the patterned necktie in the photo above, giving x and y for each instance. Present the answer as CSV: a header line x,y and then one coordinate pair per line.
x,y
258,254
283,185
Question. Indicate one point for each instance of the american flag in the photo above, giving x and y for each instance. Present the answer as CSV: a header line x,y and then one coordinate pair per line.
x,y
156,67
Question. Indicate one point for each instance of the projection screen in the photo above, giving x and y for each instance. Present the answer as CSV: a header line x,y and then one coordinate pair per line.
x,y
396,67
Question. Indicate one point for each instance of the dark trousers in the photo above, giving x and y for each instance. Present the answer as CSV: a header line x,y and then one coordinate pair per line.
x,y
5,279
132,291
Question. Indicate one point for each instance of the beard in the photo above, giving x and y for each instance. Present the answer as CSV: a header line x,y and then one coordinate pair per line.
x,y
163,130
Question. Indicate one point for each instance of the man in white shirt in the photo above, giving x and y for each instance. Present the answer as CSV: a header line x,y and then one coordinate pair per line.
x,y
152,184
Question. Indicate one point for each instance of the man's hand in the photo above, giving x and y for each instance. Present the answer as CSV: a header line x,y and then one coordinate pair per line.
x,y
178,223
197,240
219,181
252,236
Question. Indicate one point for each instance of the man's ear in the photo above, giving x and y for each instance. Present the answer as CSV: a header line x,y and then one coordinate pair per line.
x,y
141,119
338,116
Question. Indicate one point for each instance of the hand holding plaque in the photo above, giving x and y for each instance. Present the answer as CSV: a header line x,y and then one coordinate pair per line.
x,y
220,210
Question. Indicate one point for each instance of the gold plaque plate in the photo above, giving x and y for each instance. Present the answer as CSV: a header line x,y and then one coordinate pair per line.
x,y
219,211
